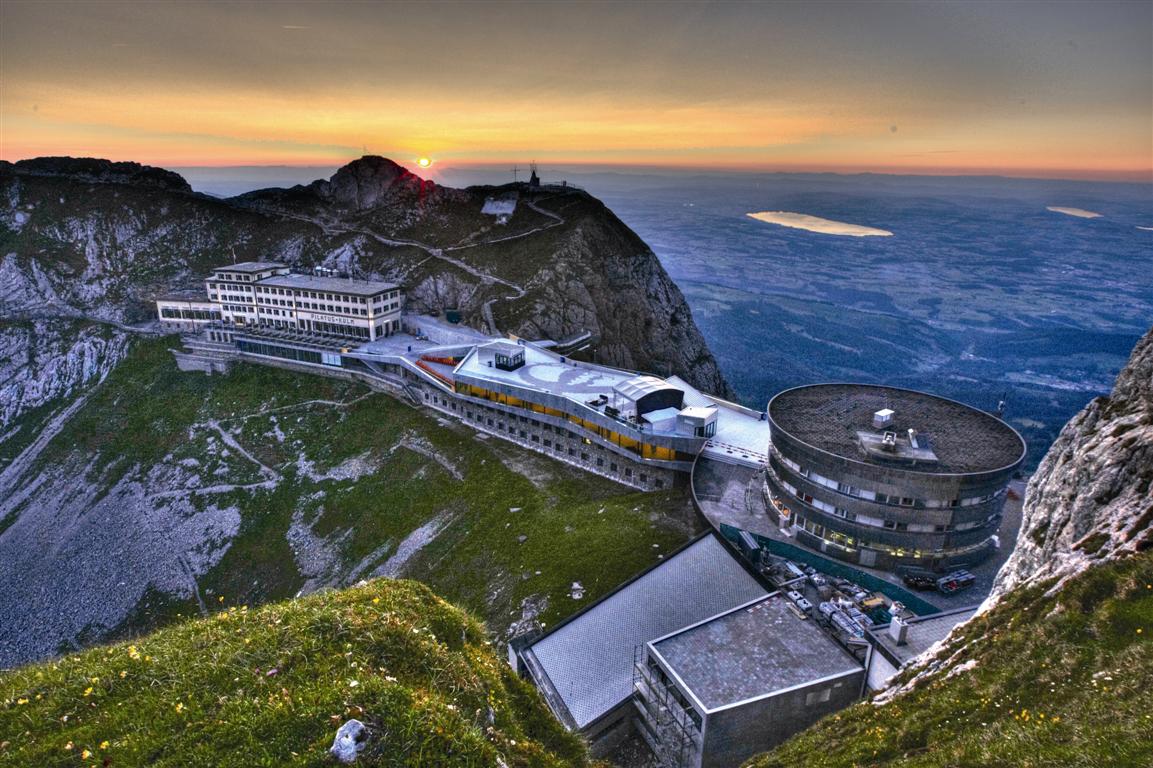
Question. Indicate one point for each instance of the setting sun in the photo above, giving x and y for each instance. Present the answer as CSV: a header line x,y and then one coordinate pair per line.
x,y
423,162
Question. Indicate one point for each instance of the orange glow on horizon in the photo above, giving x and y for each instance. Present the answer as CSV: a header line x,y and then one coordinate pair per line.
x,y
945,89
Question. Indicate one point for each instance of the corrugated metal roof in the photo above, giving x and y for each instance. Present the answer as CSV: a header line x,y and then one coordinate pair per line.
x,y
587,661
639,386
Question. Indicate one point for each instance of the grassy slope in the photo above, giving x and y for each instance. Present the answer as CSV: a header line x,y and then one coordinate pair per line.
x,y
578,527
205,693
1064,681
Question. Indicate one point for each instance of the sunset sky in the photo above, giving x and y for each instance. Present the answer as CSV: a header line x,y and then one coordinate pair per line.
x,y
1029,88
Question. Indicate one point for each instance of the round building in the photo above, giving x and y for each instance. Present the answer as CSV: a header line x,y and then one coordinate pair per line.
x,y
885,477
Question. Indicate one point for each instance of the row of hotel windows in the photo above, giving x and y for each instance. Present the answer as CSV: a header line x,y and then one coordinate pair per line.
x,y
642,449
877,522
246,292
235,277
172,313
332,308
881,498
491,417
849,543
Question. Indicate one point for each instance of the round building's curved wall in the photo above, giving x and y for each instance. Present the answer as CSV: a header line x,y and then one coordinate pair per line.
x,y
884,515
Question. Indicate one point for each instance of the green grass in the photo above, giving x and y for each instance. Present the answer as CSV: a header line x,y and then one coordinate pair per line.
x,y
578,527
1057,681
269,687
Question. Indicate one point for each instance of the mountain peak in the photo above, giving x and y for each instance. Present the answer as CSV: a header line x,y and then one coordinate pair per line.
x,y
365,182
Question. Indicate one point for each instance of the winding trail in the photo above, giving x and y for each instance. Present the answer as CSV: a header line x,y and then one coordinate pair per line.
x,y
329,227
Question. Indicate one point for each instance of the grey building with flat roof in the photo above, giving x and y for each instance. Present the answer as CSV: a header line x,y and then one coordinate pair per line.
x,y
715,693
886,477
584,666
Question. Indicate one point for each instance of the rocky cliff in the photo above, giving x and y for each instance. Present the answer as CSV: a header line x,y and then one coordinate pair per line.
x,y
91,238
1091,499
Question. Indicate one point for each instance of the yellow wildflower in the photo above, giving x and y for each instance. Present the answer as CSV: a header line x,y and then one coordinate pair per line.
x,y
104,744
180,706
88,691
123,673
21,701
86,754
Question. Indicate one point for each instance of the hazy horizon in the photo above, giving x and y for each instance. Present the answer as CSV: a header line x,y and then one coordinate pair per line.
x,y
1014,89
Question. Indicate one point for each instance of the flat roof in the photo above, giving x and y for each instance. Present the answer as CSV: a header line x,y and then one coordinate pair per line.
x,y
588,660
582,382
924,632
251,266
328,284
964,439
752,652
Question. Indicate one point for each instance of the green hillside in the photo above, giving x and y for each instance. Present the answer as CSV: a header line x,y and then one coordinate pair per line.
x,y
331,480
270,686
1058,682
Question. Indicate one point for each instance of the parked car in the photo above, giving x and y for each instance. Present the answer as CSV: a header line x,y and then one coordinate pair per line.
x,y
955,582
919,578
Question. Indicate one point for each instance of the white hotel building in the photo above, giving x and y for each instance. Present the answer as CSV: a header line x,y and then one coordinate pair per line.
x,y
267,294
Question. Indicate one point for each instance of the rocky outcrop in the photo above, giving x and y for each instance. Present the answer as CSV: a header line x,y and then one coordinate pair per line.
x,y
1091,499
48,360
1089,503
99,171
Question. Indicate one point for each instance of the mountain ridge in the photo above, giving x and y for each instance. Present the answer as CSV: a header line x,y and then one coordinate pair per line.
x,y
98,239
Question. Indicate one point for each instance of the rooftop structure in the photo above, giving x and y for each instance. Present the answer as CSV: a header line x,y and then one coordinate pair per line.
x,y
584,666
335,285
952,438
887,477
750,652
251,267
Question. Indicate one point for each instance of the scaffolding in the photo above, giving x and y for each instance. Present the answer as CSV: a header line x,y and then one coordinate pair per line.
x,y
668,724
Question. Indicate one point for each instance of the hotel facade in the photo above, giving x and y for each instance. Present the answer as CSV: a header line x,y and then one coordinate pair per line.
x,y
268,294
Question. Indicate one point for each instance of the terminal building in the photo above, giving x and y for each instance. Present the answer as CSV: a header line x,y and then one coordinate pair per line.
x,y
886,477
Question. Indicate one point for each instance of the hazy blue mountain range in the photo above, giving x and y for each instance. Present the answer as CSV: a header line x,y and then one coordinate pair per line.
x,y
981,293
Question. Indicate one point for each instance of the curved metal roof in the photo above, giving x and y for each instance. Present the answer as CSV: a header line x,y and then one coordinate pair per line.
x,y
639,386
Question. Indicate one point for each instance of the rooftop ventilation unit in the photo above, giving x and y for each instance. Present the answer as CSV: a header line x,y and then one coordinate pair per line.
x,y
899,630
913,438
883,418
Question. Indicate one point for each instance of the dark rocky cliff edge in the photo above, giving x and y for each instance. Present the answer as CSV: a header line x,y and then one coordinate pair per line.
x,y
97,239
